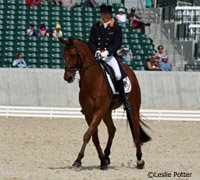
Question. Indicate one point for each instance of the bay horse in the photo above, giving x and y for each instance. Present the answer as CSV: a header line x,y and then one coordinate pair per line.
x,y
95,102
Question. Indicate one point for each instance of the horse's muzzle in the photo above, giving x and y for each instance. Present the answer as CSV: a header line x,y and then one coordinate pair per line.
x,y
69,79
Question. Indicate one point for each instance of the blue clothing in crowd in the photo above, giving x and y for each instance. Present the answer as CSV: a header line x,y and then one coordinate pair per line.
x,y
164,66
126,56
22,63
148,3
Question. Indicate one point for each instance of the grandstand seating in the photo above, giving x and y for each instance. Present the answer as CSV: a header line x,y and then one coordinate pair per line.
x,y
45,52
186,22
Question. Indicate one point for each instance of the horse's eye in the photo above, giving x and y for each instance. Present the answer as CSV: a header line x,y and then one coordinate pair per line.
x,y
73,56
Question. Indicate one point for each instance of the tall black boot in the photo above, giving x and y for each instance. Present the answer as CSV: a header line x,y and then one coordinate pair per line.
x,y
124,98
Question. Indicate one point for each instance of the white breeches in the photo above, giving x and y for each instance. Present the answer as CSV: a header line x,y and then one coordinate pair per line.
x,y
111,61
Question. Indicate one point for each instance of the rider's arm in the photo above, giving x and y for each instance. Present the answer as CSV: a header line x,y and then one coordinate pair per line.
x,y
92,40
117,41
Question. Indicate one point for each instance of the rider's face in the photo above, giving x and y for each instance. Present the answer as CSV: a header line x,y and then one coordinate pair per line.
x,y
106,17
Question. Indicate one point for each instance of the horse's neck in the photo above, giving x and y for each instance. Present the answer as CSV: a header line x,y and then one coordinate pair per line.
x,y
87,57
89,68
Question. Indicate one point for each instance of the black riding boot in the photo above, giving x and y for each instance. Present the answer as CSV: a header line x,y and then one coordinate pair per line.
x,y
124,98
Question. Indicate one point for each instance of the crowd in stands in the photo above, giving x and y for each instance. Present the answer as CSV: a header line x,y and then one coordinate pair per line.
x,y
71,3
158,62
134,20
32,31
64,3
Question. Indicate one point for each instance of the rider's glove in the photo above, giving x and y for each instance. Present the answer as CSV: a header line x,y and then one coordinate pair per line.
x,y
104,54
97,53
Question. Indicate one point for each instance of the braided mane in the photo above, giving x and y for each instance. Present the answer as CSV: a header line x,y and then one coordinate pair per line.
x,y
68,45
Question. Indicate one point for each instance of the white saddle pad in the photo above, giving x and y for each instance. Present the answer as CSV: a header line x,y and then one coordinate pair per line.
x,y
127,84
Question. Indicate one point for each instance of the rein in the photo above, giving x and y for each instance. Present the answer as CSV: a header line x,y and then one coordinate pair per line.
x,y
87,67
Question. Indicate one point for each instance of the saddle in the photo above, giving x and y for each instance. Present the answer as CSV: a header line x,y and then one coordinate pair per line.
x,y
108,69
109,76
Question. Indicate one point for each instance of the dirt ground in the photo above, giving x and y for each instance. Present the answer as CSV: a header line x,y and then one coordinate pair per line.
x,y
44,149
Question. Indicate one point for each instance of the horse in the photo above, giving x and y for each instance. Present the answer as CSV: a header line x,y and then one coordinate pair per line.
x,y
95,102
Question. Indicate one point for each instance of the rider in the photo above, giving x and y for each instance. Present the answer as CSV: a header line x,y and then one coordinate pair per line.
x,y
105,39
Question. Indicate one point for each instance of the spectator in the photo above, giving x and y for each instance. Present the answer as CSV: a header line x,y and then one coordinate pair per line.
x,y
160,53
57,32
43,30
121,17
65,3
32,31
125,54
136,21
33,3
19,62
164,65
152,65
148,3
90,3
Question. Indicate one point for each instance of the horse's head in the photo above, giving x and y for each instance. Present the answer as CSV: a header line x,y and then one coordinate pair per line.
x,y
72,59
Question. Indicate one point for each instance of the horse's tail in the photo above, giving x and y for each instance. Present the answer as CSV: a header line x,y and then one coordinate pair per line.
x,y
144,137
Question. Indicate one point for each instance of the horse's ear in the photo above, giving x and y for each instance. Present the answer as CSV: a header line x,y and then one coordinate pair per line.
x,y
62,41
71,42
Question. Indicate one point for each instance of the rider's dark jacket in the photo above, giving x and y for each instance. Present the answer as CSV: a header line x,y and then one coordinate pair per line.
x,y
109,38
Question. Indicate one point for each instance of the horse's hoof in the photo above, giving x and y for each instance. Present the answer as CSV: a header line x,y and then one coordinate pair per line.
x,y
104,164
105,167
140,164
107,161
76,164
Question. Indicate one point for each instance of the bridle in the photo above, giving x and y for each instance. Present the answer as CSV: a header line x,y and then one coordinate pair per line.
x,y
78,61
78,57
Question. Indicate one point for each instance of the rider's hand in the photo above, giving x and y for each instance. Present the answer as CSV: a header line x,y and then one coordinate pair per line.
x,y
97,53
104,54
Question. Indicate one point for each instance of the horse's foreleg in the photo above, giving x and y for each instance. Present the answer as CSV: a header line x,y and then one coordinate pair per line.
x,y
91,130
96,142
111,132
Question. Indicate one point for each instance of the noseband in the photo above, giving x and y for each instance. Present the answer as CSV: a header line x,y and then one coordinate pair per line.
x,y
77,66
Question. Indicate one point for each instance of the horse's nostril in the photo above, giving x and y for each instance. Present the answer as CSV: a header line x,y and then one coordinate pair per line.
x,y
70,79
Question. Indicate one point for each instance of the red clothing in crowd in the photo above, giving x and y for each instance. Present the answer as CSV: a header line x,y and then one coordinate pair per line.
x,y
31,2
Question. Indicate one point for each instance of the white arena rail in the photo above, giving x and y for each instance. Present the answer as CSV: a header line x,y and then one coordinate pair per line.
x,y
59,112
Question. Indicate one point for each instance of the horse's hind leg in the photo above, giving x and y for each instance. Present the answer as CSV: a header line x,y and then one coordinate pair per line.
x,y
111,132
135,117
